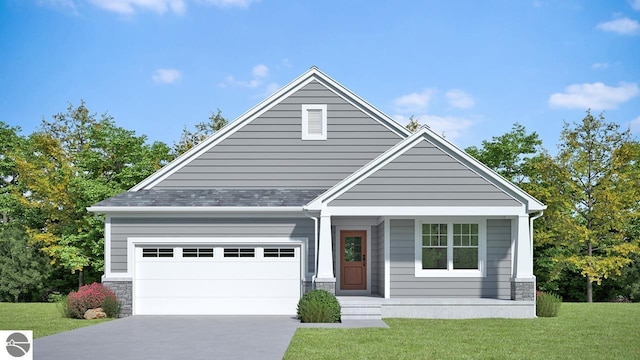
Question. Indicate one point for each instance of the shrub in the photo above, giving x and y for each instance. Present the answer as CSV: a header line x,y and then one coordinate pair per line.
x,y
90,297
547,304
319,306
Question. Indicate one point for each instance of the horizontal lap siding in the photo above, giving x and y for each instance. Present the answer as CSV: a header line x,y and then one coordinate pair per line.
x,y
123,228
373,258
424,176
495,285
268,152
379,265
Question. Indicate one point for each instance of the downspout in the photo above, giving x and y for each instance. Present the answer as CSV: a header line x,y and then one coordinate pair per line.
x,y
315,241
531,218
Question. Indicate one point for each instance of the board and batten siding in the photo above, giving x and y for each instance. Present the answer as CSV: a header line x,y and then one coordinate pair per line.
x,y
424,176
123,228
496,284
379,261
269,151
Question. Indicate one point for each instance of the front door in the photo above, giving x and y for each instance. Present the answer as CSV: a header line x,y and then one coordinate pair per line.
x,y
353,260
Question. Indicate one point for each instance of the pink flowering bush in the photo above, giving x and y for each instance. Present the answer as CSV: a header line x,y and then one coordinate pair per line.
x,y
90,297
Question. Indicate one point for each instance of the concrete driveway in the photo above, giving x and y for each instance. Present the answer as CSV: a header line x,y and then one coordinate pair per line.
x,y
173,337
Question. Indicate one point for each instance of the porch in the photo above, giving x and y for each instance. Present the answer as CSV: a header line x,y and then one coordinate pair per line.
x,y
373,307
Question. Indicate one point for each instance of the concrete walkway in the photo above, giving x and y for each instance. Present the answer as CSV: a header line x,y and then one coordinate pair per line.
x,y
178,337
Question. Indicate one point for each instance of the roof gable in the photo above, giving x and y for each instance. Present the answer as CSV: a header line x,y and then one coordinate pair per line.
x,y
425,170
313,75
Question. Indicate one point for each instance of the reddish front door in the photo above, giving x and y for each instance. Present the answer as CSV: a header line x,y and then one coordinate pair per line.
x,y
353,260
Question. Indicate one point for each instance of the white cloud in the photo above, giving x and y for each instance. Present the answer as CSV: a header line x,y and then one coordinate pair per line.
x,y
229,3
451,127
130,7
57,3
260,71
459,99
597,96
414,102
600,66
635,125
623,26
166,76
635,4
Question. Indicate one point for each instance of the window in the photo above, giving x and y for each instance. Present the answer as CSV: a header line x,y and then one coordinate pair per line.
x,y
239,252
314,122
279,252
197,252
455,248
157,252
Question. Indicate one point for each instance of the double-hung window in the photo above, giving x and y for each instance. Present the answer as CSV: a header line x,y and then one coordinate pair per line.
x,y
450,248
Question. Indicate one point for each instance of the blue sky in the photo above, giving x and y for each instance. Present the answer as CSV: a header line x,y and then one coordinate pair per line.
x,y
469,69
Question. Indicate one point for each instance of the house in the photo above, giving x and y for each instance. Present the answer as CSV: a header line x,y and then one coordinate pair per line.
x,y
314,188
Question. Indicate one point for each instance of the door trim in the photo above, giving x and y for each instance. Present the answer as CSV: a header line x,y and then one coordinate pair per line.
x,y
336,257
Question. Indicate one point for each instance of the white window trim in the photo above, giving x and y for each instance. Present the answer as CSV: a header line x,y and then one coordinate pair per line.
x,y
305,121
482,248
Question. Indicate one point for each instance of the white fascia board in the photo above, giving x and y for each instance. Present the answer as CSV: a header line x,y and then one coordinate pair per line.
x,y
395,211
258,110
362,173
362,105
225,132
193,209
534,205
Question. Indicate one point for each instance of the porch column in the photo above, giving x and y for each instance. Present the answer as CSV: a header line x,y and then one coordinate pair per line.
x,y
325,279
523,282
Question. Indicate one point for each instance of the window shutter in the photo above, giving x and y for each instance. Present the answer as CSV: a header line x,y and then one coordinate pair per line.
x,y
314,122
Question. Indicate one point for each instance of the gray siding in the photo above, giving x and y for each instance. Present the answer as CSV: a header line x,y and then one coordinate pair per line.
x,y
122,228
379,261
495,285
424,176
268,152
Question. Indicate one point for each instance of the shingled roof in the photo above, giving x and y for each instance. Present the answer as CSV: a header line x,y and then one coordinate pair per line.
x,y
212,197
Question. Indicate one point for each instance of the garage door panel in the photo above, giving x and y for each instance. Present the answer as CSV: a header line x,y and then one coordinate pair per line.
x,y
203,270
226,306
217,288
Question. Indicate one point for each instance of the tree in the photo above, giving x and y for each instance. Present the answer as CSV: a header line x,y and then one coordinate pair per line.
x,y
510,155
591,188
9,204
73,162
413,124
203,130
23,269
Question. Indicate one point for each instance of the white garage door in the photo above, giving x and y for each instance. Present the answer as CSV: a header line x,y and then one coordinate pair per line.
x,y
217,280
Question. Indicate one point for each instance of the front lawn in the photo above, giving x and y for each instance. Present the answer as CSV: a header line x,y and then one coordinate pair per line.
x,y
581,331
43,318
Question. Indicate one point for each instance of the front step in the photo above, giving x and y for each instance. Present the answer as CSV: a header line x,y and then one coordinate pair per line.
x,y
359,311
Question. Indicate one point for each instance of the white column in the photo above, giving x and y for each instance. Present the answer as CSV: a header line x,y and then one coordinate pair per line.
x,y
325,252
523,268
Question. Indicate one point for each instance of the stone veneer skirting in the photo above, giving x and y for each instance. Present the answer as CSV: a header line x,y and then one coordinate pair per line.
x,y
523,290
329,286
124,292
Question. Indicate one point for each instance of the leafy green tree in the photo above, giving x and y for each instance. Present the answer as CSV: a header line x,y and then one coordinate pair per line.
x,y
10,139
203,130
74,161
510,154
591,188
414,124
23,269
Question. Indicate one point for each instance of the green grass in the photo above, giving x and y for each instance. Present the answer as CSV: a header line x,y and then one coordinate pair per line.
x,y
581,331
43,318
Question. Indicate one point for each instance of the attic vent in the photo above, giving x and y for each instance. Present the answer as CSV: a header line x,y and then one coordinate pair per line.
x,y
314,122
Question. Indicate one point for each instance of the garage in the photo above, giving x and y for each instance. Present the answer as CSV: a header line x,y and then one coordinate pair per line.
x,y
214,279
